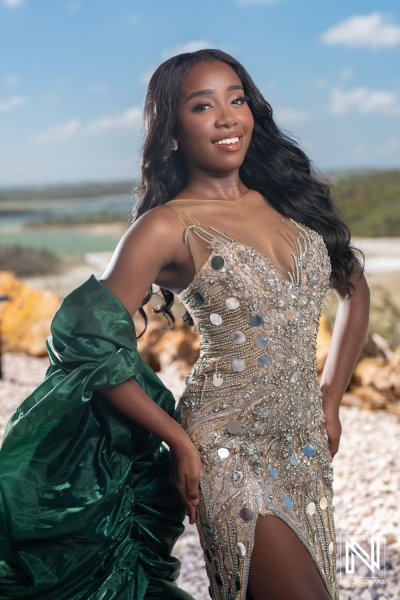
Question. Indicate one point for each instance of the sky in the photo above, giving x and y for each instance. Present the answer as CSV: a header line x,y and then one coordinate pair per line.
x,y
73,77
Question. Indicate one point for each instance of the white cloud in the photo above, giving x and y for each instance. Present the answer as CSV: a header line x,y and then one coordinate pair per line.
x,y
73,6
129,119
370,31
11,79
290,116
188,47
364,101
96,88
388,148
59,133
12,3
11,103
346,73
134,19
322,82
146,76
247,2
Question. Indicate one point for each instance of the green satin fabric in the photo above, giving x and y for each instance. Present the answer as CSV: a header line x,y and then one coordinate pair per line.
x,y
87,507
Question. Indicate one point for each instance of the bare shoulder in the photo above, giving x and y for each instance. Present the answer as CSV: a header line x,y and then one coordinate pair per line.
x,y
161,222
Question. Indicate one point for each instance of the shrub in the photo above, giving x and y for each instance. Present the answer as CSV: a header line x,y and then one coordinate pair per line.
x,y
25,261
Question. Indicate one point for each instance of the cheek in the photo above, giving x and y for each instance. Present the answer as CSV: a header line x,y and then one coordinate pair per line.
x,y
194,128
248,120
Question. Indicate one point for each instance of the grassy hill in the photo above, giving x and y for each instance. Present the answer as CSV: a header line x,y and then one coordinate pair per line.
x,y
64,191
370,202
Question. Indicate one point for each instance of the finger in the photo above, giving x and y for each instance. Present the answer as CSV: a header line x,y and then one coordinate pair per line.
x,y
191,513
193,489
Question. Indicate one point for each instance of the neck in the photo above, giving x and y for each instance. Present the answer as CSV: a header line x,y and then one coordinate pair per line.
x,y
224,186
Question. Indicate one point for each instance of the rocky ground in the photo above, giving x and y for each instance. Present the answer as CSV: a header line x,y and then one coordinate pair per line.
x,y
366,484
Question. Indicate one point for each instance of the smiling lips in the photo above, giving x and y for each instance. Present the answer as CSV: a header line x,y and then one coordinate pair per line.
x,y
231,144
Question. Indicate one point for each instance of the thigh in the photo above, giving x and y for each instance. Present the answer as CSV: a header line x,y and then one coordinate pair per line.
x,y
281,567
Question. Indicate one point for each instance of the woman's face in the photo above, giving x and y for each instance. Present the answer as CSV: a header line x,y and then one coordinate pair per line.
x,y
213,108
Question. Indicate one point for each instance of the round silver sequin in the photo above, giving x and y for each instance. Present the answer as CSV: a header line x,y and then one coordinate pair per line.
x,y
308,450
330,547
215,319
223,452
232,303
256,321
237,476
234,426
294,460
217,262
288,502
290,314
261,340
241,549
264,361
310,510
238,337
217,381
238,364
323,502
246,514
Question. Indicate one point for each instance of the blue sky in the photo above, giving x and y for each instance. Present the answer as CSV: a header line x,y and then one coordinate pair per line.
x,y
73,76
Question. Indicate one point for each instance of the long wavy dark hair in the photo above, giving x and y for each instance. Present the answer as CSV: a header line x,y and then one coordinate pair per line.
x,y
274,166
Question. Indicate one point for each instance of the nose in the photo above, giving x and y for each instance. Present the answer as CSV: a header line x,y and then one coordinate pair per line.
x,y
225,117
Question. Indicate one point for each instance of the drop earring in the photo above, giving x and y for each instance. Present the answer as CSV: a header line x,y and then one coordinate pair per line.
x,y
174,144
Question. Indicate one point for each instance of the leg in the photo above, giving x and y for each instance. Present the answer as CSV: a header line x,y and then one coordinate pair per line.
x,y
281,567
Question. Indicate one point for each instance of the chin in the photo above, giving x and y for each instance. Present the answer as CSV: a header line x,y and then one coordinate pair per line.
x,y
228,163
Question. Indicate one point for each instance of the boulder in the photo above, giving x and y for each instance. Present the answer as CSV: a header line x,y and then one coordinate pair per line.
x,y
25,318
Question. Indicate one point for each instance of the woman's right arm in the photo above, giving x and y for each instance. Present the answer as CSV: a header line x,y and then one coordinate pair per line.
x,y
145,255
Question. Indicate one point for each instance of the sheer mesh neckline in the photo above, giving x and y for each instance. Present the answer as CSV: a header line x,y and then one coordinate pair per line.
x,y
212,199
299,245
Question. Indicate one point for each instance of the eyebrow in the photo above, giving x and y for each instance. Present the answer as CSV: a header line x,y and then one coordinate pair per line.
x,y
210,91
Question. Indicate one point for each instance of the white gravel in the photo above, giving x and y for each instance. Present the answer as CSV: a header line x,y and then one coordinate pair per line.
x,y
366,485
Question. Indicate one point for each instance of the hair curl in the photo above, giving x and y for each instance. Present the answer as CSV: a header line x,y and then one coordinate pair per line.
x,y
274,166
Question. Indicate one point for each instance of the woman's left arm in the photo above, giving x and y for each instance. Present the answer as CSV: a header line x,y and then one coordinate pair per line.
x,y
349,332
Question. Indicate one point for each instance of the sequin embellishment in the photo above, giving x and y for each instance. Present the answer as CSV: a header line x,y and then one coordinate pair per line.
x,y
215,319
252,404
217,262
232,303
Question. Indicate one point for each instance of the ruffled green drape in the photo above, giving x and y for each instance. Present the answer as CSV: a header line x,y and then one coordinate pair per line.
x,y
87,507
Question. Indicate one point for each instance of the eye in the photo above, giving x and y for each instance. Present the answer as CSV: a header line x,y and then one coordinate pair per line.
x,y
200,107
242,100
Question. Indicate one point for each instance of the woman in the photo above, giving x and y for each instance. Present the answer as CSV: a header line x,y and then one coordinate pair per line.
x,y
232,220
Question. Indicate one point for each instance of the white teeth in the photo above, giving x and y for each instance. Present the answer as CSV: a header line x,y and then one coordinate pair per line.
x,y
228,141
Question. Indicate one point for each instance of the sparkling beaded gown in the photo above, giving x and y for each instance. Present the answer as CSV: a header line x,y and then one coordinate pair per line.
x,y
252,402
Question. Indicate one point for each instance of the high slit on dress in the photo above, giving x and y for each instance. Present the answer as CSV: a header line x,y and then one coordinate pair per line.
x,y
252,402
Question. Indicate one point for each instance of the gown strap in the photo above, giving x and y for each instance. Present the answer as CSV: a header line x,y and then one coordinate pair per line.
x,y
200,237
206,233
